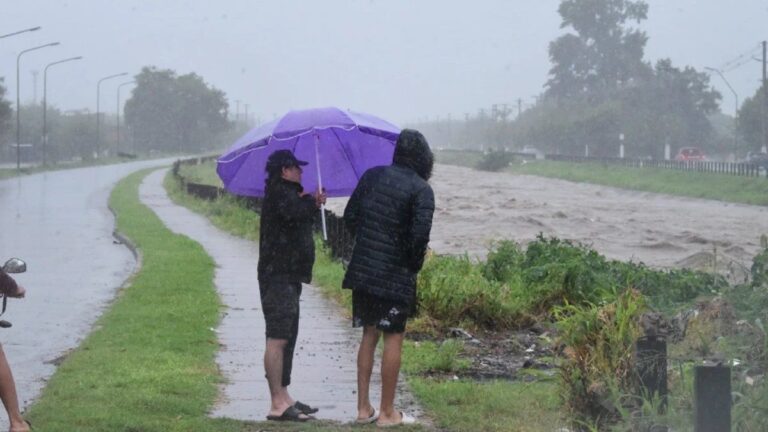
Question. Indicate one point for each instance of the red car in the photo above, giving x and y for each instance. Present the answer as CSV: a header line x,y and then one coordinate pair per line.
x,y
690,154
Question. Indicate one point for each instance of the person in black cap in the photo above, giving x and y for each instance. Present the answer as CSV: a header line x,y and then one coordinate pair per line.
x,y
286,256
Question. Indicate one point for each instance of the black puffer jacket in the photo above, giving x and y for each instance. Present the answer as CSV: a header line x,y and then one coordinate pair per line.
x,y
286,247
390,213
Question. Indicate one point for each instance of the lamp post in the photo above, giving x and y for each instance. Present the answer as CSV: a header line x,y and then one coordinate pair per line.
x,y
45,102
98,101
18,101
735,113
117,149
20,31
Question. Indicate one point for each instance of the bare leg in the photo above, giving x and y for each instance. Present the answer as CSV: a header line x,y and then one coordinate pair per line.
x,y
390,368
364,369
9,397
273,366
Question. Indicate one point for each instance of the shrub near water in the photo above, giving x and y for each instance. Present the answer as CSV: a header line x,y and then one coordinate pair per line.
x,y
598,368
514,288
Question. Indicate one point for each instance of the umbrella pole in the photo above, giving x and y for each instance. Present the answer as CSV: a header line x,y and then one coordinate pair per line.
x,y
320,184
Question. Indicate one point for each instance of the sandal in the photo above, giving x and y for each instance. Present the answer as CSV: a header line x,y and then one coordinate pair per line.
x,y
290,414
405,419
306,409
370,419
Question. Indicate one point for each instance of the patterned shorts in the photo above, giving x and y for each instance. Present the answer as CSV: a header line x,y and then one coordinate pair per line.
x,y
387,315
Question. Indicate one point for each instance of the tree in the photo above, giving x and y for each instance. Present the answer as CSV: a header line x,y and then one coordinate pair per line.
x,y
601,89
602,55
5,112
175,113
753,116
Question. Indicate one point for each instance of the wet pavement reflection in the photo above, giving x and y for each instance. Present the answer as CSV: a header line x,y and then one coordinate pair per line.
x,y
60,224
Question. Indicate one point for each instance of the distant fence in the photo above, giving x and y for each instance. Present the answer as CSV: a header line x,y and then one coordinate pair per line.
x,y
732,168
340,241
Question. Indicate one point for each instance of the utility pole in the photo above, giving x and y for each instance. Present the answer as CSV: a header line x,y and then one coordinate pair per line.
x,y
35,73
519,106
763,104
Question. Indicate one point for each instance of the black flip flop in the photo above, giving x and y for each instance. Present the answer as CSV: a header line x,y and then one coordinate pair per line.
x,y
306,409
290,414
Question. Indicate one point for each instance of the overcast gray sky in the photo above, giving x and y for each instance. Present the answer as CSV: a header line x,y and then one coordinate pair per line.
x,y
400,59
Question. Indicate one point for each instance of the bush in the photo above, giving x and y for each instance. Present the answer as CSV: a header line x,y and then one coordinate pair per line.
x,y
598,368
495,161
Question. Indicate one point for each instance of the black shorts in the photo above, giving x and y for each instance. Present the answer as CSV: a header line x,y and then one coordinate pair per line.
x,y
387,315
280,305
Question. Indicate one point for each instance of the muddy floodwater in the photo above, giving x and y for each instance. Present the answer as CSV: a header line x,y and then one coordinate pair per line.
x,y
474,208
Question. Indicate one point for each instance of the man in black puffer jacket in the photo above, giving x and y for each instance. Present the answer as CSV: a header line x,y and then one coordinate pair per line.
x,y
390,214
286,256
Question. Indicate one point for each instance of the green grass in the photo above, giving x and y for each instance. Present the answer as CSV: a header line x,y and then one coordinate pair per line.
x,y
494,406
204,173
730,188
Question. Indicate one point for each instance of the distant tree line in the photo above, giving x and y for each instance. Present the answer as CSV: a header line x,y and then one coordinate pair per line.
x,y
166,113
600,90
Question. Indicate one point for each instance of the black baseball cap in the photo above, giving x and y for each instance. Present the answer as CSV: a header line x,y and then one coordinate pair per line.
x,y
284,159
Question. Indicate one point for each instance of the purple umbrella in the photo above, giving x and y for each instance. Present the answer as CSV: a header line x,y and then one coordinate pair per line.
x,y
342,144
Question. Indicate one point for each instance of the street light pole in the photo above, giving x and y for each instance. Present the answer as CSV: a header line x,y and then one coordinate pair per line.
x,y
118,112
98,101
18,101
45,103
21,31
735,113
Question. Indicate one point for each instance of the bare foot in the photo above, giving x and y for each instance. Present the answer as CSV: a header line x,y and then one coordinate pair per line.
x,y
22,426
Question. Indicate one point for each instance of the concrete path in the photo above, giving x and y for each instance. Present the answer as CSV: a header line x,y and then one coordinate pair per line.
x,y
325,364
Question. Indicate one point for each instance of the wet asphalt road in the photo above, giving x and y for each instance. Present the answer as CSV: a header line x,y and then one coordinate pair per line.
x,y
60,224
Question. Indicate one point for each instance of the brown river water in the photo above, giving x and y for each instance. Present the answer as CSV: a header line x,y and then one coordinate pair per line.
x,y
475,208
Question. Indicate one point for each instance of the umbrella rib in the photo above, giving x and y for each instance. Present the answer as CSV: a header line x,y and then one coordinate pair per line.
x,y
346,155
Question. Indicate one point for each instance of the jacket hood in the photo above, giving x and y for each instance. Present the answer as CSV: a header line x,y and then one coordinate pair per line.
x,y
412,151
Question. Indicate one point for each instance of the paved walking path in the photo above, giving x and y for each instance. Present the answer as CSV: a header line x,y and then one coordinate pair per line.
x,y
324,372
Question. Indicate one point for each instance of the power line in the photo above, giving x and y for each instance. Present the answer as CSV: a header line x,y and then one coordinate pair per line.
x,y
740,60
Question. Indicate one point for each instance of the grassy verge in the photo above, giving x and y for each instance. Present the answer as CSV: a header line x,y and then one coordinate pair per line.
x,y
729,188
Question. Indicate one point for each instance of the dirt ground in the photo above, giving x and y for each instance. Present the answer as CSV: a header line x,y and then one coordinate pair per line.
x,y
474,208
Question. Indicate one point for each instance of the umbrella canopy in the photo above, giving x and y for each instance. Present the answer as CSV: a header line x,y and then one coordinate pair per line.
x,y
344,144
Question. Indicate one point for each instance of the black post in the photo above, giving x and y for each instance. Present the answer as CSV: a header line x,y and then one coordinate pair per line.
x,y
651,358
712,398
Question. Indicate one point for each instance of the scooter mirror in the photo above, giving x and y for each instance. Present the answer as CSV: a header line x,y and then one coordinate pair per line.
x,y
15,265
